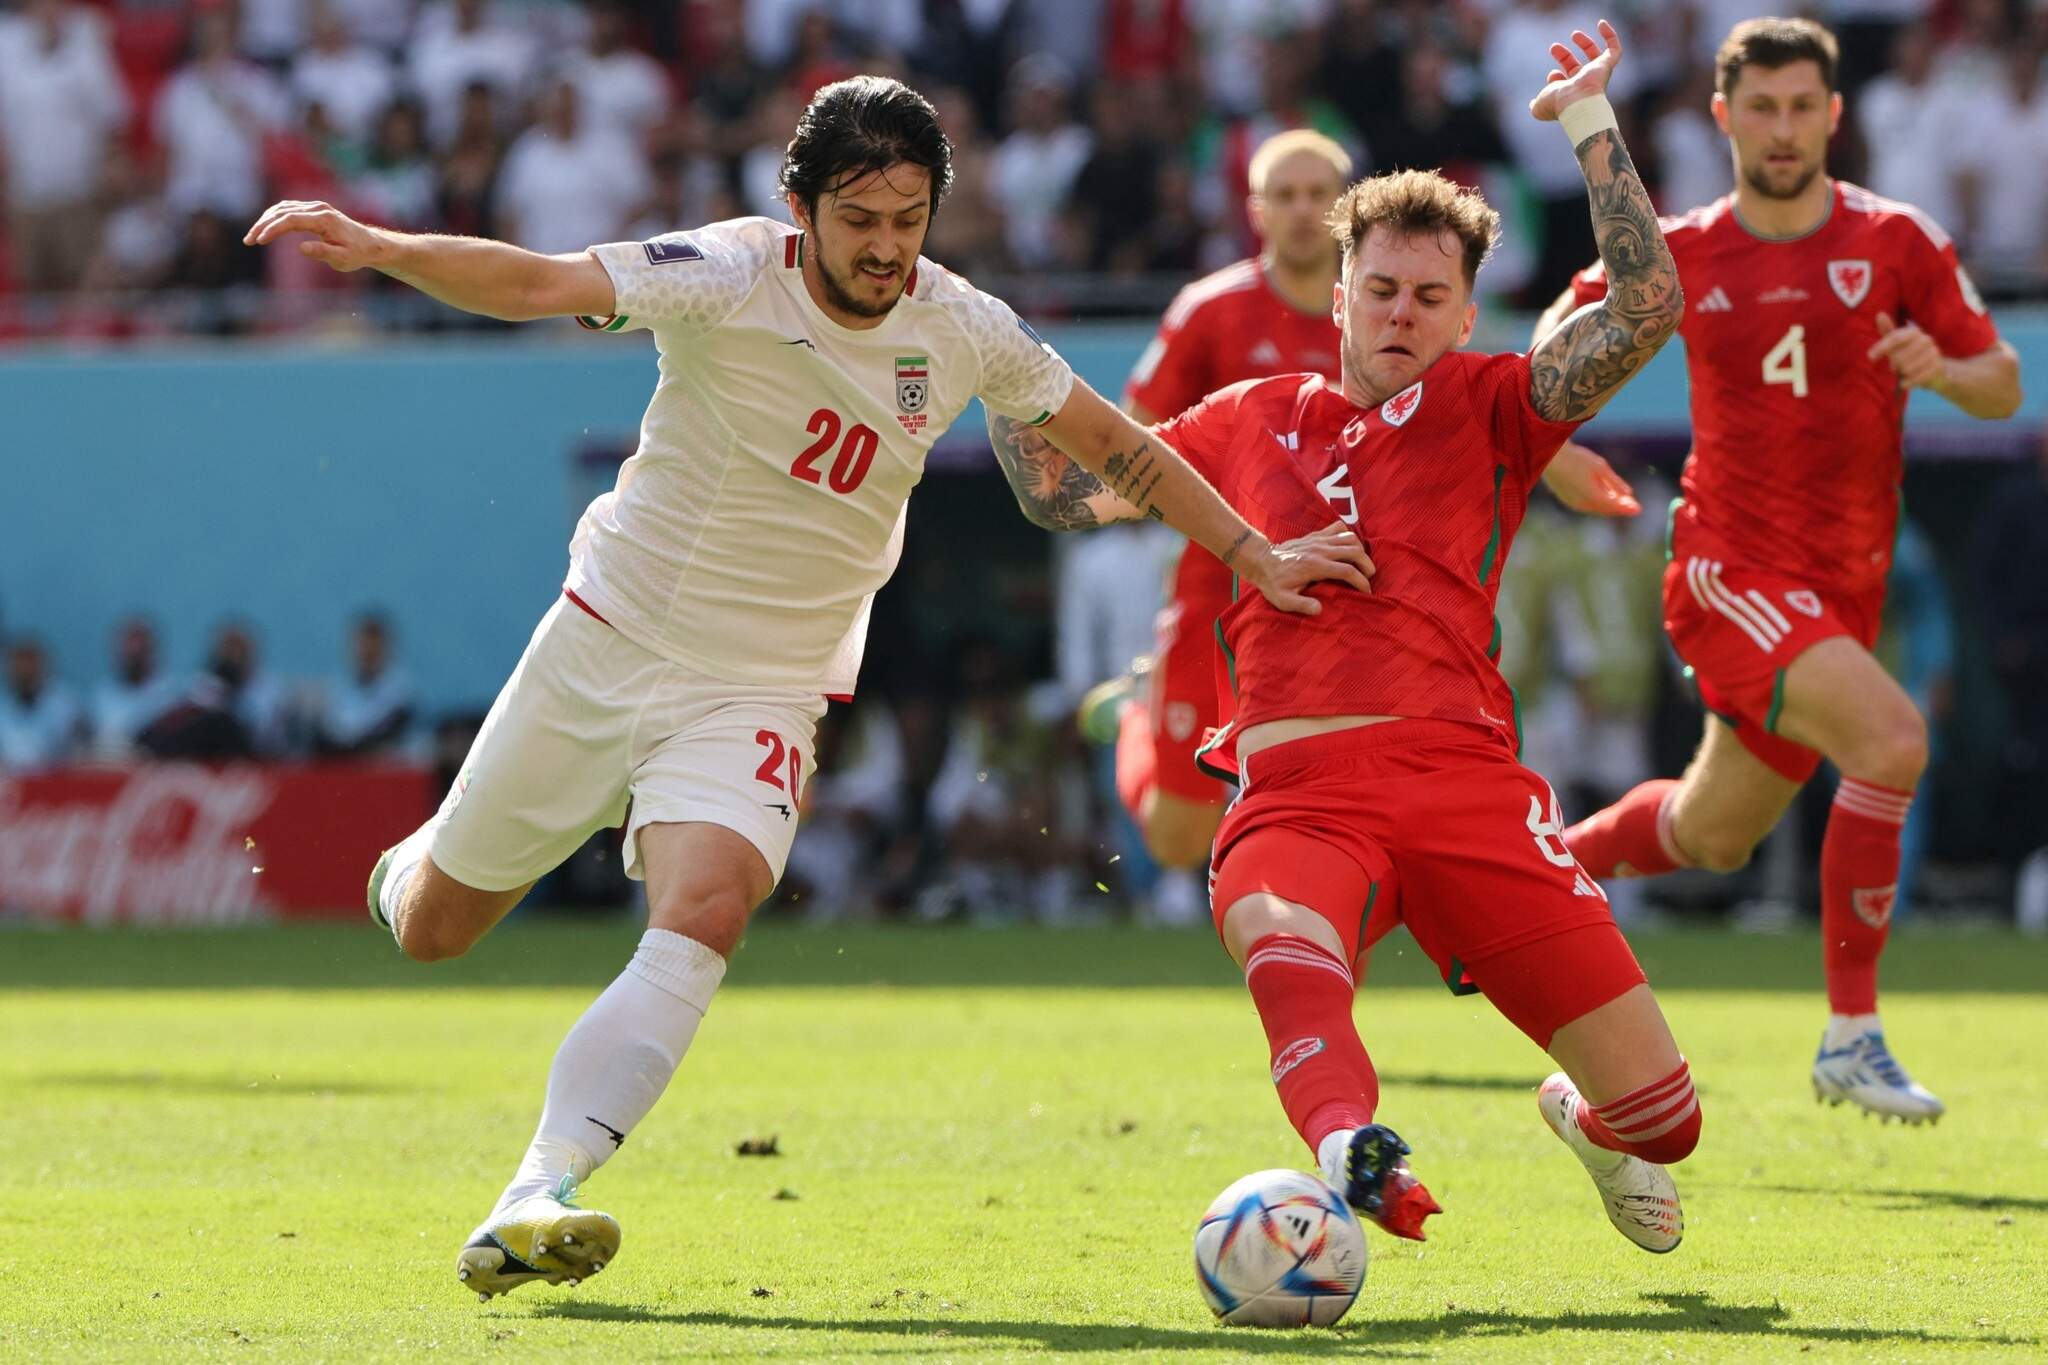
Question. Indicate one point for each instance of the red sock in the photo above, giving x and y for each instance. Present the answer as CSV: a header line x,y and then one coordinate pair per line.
x,y
1137,762
1632,837
1859,873
1659,1122
1303,994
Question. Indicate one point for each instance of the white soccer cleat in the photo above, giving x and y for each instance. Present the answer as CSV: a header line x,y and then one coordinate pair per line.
x,y
1864,1072
1641,1199
542,1237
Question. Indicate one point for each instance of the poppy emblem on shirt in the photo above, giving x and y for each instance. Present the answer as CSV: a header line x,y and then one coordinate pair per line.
x,y
1402,405
1969,288
1850,280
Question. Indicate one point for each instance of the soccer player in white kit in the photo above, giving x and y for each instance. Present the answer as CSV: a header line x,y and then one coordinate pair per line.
x,y
720,593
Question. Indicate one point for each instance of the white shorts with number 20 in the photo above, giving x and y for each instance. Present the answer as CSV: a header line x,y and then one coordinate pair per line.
x,y
591,723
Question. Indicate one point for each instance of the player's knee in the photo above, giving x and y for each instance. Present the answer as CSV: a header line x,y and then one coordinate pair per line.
x,y
715,916
1172,846
1715,850
426,937
1893,751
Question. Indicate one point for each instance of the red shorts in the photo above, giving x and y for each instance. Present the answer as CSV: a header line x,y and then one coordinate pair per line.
x,y
1432,824
1739,630
1184,706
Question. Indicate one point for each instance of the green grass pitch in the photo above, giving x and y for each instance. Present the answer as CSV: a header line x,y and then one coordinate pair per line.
x,y
269,1144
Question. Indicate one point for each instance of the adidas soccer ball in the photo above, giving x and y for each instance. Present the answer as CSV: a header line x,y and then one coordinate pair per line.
x,y
1279,1249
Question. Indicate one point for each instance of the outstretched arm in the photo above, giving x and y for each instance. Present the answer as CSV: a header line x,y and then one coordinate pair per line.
x,y
495,279
1580,363
1089,464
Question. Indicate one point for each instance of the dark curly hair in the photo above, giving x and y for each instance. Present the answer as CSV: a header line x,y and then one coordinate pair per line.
x,y
854,127
1768,44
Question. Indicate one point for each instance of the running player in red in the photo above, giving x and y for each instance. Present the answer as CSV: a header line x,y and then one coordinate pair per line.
x,y
1265,316
1815,307
1376,740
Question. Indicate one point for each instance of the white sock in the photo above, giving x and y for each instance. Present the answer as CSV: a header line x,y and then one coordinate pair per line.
x,y
617,1060
1331,1156
405,860
1844,1029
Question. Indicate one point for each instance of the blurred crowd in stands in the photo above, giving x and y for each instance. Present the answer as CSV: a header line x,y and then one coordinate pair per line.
x,y
231,708
1097,138
1102,149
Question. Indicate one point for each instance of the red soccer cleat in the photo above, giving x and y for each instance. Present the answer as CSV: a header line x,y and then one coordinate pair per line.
x,y
1378,1183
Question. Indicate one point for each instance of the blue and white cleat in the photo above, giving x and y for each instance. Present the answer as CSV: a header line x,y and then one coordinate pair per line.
x,y
542,1237
1864,1072
1640,1197
1100,714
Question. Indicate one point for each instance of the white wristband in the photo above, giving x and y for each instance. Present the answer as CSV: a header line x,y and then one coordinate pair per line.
x,y
1583,118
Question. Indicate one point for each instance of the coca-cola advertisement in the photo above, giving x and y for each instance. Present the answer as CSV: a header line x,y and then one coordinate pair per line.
x,y
185,844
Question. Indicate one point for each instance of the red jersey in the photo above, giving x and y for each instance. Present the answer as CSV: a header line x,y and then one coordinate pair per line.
x,y
1434,480
1797,438
1226,327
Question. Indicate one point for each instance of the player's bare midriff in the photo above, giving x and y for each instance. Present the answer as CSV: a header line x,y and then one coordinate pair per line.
x,y
1267,733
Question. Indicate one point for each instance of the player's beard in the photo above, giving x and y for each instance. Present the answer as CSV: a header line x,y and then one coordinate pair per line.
x,y
844,300
1759,178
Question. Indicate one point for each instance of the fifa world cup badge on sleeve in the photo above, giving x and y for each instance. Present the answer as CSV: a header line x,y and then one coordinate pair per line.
x,y
671,252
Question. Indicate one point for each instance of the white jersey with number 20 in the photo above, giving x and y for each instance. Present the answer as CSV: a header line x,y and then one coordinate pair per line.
x,y
747,535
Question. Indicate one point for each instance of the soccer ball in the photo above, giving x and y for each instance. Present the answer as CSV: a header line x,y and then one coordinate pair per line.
x,y
1279,1249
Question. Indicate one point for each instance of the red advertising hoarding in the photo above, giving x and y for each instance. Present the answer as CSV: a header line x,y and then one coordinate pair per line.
x,y
180,843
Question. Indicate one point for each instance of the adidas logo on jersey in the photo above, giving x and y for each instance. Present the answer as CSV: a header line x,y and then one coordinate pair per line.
x,y
1582,885
1265,353
1716,301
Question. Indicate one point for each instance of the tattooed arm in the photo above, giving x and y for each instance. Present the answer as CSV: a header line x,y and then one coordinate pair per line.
x,y
1054,492
1581,362
1089,464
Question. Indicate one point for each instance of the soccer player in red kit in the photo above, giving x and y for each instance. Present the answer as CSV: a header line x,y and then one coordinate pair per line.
x,y
1815,307
1265,316
1376,740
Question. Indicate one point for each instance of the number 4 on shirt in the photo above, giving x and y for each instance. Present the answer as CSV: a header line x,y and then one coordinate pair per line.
x,y
1786,363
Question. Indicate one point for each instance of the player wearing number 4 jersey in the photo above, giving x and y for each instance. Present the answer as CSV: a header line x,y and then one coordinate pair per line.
x,y
1377,741
720,593
1814,308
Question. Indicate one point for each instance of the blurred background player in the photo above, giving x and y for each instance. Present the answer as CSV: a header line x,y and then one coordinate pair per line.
x,y
683,670
1377,741
1269,315
1815,307
1264,316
